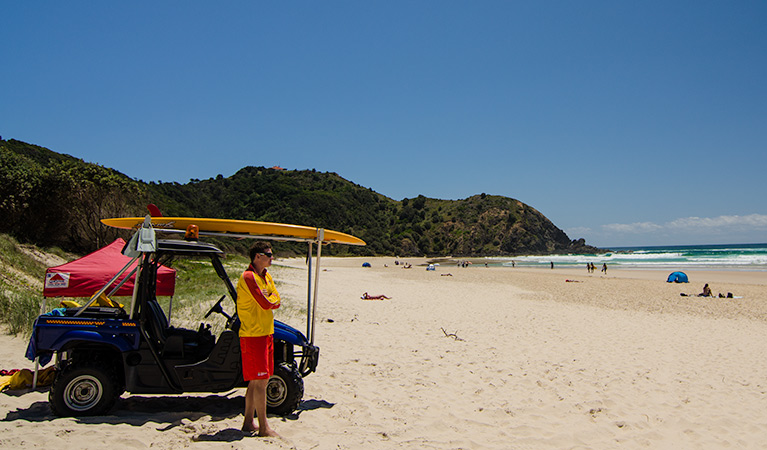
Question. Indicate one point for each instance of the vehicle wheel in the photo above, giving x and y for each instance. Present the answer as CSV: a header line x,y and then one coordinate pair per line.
x,y
284,390
83,390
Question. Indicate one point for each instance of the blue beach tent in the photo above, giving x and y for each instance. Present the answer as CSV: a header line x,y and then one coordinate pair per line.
x,y
678,277
366,264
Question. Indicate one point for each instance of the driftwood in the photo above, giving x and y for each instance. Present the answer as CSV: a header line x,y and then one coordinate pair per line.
x,y
452,335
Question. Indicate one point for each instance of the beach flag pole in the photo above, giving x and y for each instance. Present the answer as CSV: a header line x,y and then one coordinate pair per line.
x,y
309,291
320,238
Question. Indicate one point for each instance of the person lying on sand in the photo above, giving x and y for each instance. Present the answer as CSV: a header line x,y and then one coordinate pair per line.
x,y
366,296
707,293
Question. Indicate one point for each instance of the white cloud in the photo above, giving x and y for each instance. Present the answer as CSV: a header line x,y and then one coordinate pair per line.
x,y
637,227
691,223
752,222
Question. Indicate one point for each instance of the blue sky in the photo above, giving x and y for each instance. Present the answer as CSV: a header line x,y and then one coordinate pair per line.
x,y
625,123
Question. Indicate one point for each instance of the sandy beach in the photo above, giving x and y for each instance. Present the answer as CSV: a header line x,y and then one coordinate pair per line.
x,y
475,358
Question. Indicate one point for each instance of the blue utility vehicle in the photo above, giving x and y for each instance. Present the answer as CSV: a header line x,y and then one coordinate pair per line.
x,y
102,352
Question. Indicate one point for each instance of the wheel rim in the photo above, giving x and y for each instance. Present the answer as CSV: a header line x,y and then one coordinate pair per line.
x,y
83,393
276,391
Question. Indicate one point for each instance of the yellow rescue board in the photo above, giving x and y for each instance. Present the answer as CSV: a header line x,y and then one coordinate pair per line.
x,y
235,227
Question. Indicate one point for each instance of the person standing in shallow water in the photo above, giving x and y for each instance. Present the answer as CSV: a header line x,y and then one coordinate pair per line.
x,y
257,297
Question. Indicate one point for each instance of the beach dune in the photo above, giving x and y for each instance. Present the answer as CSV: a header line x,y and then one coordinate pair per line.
x,y
476,358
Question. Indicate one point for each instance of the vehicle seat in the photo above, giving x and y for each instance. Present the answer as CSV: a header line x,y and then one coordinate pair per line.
x,y
173,342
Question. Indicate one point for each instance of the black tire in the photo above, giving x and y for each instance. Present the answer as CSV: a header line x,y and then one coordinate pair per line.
x,y
285,390
83,390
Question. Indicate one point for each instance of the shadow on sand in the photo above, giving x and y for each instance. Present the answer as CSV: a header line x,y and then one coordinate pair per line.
x,y
139,410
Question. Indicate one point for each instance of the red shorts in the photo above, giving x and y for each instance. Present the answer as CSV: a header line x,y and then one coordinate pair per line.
x,y
257,357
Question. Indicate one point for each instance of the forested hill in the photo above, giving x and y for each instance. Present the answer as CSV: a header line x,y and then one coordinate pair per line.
x,y
52,199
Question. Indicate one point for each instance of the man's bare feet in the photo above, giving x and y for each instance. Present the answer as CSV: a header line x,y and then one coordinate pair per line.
x,y
268,432
250,428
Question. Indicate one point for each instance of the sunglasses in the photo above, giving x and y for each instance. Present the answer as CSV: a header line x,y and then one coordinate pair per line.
x,y
267,254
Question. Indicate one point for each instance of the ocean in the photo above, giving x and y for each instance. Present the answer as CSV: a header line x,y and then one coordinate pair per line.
x,y
748,257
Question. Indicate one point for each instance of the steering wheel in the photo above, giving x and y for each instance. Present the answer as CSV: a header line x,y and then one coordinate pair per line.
x,y
217,308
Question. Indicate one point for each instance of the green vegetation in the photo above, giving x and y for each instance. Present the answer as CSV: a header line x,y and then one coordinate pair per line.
x,y
51,199
55,200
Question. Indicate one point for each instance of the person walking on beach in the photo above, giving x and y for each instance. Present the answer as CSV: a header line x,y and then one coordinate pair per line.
x,y
257,297
604,268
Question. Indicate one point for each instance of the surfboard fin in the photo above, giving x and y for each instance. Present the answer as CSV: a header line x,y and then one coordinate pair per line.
x,y
154,211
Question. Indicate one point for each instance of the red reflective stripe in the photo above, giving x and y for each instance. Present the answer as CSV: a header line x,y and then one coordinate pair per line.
x,y
255,291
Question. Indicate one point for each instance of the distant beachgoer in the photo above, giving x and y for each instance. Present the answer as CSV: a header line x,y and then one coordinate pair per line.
x,y
552,264
706,292
366,296
604,268
588,267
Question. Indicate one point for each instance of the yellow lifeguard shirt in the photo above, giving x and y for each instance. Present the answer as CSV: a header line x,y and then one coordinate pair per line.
x,y
257,296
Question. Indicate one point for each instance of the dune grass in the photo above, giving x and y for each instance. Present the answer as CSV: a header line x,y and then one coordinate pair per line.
x,y
18,308
21,280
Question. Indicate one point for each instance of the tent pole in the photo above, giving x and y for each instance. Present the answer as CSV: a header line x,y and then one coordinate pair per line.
x,y
37,367
37,358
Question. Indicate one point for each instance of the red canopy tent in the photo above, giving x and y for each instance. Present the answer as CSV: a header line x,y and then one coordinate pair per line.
x,y
85,276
